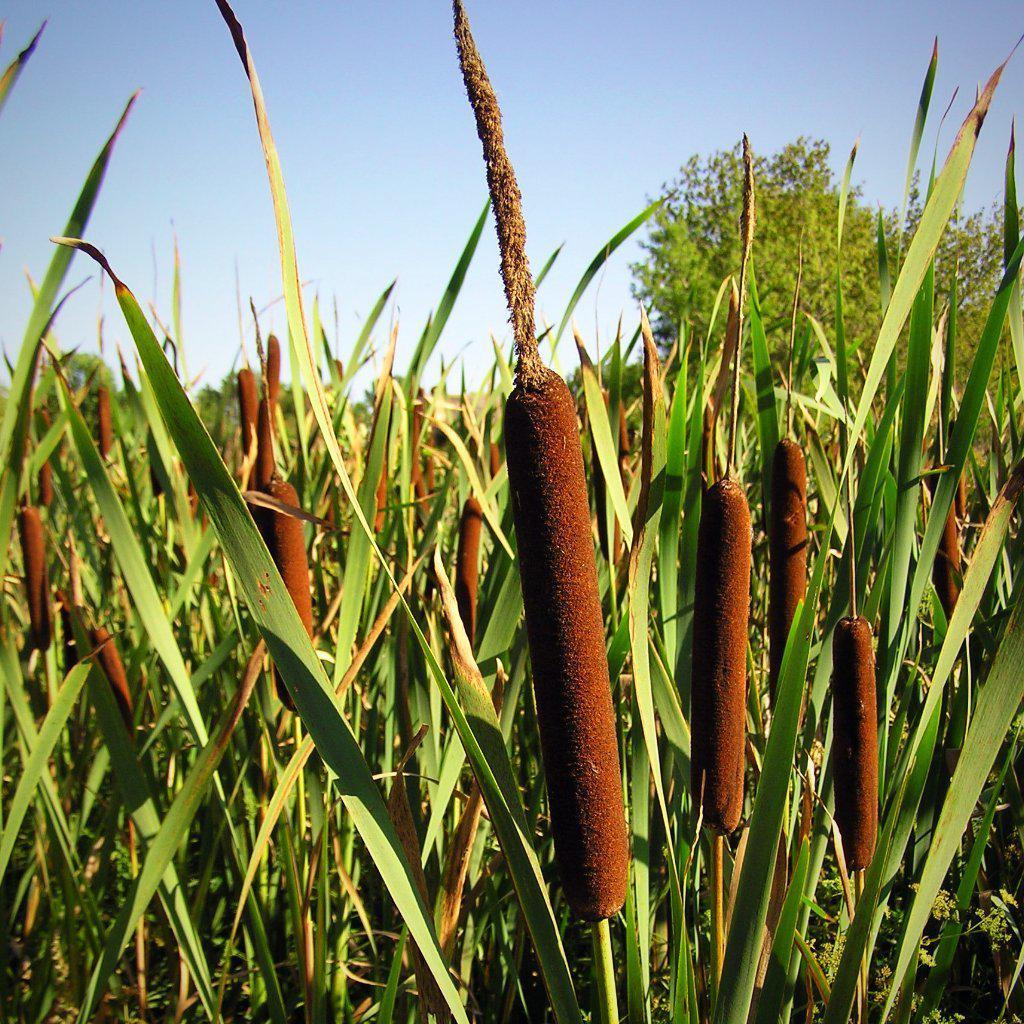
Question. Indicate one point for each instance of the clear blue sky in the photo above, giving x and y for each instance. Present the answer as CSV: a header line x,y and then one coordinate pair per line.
x,y
602,102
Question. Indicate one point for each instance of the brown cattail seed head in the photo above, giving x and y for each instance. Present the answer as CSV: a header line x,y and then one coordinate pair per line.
x,y
266,467
37,580
787,547
113,668
287,546
855,740
104,426
45,485
946,570
248,405
273,369
495,454
719,680
558,574
467,568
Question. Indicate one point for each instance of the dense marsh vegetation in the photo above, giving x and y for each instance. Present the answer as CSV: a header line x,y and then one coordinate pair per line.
x,y
273,718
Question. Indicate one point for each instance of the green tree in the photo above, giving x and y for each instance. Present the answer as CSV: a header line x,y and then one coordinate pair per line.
x,y
693,245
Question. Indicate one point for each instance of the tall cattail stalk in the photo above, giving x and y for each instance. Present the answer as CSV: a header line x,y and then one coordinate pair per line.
x,y
495,459
855,740
273,370
248,408
557,566
104,425
266,466
467,565
37,578
787,528
109,659
283,535
720,625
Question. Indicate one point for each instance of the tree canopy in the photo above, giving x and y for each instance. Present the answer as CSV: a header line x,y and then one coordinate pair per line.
x,y
693,245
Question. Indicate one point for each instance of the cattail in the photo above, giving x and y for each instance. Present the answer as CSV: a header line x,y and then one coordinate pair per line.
x,y
495,453
283,536
719,680
104,427
961,498
855,740
787,549
273,369
44,482
37,579
557,566
248,405
265,463
67,632
467,568
113,668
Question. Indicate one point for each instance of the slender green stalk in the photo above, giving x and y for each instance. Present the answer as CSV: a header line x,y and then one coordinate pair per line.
x,y
607,1007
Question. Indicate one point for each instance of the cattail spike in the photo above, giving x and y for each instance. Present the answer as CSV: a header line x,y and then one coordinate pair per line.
x,y
565,629
113,668
248,408
286,543
273,370
787,549
266,466
719,678
855,740
37,579
467,567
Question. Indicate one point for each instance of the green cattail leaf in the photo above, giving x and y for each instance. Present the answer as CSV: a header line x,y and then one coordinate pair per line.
x,y
14,69
605,446
38,761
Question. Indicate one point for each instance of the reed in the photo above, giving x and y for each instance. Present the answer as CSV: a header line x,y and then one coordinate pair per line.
x,y
273,370
719,679
248,408
855,740
282,533
467,564
557,566
946,567
37,579
109,657
787,549
722,602
266,466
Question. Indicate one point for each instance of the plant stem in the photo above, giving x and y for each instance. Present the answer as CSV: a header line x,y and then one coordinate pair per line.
x,y
604,974
717,909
